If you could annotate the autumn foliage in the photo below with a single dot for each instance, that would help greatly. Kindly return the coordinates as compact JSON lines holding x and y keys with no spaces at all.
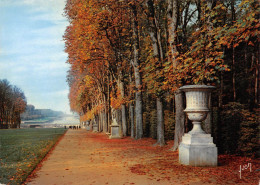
{"x":12,"y":105}
{"x":121,"y":51}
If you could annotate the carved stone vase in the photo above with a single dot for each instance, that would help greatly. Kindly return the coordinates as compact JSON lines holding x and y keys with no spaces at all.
{"x":197,"y":147}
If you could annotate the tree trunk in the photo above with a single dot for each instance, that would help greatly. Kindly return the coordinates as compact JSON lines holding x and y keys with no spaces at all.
{"x":160,"y":123}
{"x":198,"y":2}
{"x":131,"y":106}
{"x":105,"y":126}
{"x":220,"y":101}
{"x":124,"y":126}
{"x":96,"y":122}
{"x":172,"y":17}
{"x":109,"y":104}
{"x":233,"y":12}
{"x":139,"y":114}
{"x":138,"y":79}
{"x":132,"y":119}
{"x":233,"y":74}
{"x":208,"y":120}
{"x":123,"y":106}
{"x":179,"y":120}
{"x":157,"y":53}
{"x":100,"y":122}
{"x":256,"y":79}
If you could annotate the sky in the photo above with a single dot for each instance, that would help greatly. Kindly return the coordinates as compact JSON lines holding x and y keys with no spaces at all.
{"x":32,"y":53}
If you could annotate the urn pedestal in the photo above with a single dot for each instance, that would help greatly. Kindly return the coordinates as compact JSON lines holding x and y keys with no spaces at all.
{"x":114,"y":132}
{"x":114,"y":127}
{"x":88,"y":127}
{"x":197,"y":147}
{"x":95,"y":127}
{"x":83,"y":125}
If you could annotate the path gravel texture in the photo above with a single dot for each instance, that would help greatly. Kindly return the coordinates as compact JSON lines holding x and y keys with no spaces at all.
{"x":87,"y":158}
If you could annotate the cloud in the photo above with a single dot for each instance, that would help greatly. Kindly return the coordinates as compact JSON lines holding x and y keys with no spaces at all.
{"x":53,"y":100}
{"x":63,"y":92}
{"x":39,"y":5}
{"x":51,"y":10}
{"x":32,"y":50}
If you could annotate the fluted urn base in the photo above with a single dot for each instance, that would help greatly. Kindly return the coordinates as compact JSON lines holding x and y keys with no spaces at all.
{"x":114,"y":132}
{"x":198,"y":149}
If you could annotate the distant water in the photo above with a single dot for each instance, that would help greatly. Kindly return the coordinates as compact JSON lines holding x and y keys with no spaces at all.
{"x":62,"y":122}
{"x":69,"y":120}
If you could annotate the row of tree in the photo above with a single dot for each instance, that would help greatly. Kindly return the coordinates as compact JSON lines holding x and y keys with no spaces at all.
{"x":133,"y":56}
{"x":12,"y":104}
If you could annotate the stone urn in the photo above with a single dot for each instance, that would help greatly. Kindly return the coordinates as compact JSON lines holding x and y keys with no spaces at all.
{"x":197,"y":147}
{"x":197,"y":98}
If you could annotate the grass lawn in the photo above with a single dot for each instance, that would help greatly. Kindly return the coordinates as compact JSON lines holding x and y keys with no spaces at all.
{"x":22,"y":149}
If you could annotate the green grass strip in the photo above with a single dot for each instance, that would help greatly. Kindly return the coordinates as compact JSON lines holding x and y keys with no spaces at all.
{"x":22,"y":149}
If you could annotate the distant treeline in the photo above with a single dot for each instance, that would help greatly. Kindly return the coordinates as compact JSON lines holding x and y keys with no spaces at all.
{"x":32,"y":113}
{"x":12,"y":104}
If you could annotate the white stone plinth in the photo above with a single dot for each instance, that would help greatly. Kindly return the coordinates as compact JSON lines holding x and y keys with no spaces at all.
{"x":198,"y":150}
{"x":88,"y":127}
{"x":95,"y":127}
{"x":114,"y":132}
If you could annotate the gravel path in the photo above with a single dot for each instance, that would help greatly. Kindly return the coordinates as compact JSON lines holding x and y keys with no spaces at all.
{"x":87,"y":158}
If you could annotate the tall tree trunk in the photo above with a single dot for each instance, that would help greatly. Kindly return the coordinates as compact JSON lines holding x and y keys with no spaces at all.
{"x":233,"y":74}
{"x":198,"y":3}
{"x":131,"y":106}
{"x":172,"y":17}
{"x":233,"y":12}
{"x":105,"y":128}
{"x":160,"y":122}
{"x":208,"y":120}
{"x":132,"y":120}
{"x":138,"y":79}
{"x":256,"y":79}
{"x":106,"y":116}
{"x":157,"y":53}
{"x":124,"y":124}
{"x":179,"y":120}
{"x":109,"y":104}
{"x":220,"y":102}
{"x":123,"y":106}
{"x":19,"y":121}
{"x":100,"y":121}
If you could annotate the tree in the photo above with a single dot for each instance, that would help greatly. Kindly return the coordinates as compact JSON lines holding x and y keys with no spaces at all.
{"x":137,"y":74}
{"x":12,"y":104}
{"x":158,"y":59}
{"x":169,"y":44}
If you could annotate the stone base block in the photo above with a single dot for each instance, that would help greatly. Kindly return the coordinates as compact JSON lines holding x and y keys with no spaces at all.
{"x":88,"y":127}
{"x":198,"y":150}
{"x":114,"y":132}
{"x":95,"y":128}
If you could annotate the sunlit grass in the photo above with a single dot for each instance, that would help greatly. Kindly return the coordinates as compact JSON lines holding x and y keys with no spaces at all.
{"x":22,"y":149}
